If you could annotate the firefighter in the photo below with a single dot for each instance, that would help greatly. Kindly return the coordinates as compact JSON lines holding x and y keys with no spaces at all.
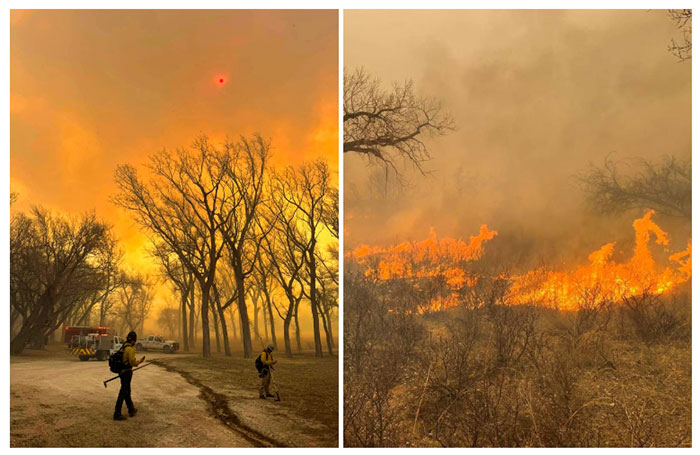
{"x":130,"y":361}
{"x":265,"y":374}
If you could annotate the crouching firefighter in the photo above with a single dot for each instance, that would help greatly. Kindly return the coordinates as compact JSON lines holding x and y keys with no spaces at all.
{"x":128,"y":358}
{"x":264,"y":364}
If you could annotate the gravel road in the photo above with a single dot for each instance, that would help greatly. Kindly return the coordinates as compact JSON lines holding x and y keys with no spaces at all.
{"x":59,"y":401}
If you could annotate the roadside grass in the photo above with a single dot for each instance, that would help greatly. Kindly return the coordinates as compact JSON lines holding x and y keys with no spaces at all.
{"x":308,"y":385}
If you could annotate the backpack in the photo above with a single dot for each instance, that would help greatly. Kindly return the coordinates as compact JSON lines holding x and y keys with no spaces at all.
{"x":258,"y":364}
{"x":116,"y":361}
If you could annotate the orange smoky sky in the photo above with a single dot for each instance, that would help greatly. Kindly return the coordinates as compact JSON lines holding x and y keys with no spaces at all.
{"x":94,"y":89}
{"x":536,"y":95}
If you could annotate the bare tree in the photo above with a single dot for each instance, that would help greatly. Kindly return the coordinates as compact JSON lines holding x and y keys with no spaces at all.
{"x":226,"y":286}
{"x":195,"y":311}
{"x":54,"y":268}
{"x":179,"y":207}
{"x":664,"y":186}
{"x":284,"y":257}
{"x":255,"y":296}
{"x":306,"y":191}
{"x":108,"y":267}
{"x":265,"y":282}
{"x":135,"y":301}
{"x":112,"y":259}
{"x":328,"y":284}
{"x":328,"y":281}
{"x":177,"y":273}
{"x":684,"y":22}
{"x":383,"y":125}
{"x":331,"y":219}
{"x":244,"y":165}
{"x":168,"y":318}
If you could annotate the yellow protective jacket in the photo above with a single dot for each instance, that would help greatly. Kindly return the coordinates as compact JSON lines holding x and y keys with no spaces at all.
{"x":266,"y":358}
{"x":129,"y":358}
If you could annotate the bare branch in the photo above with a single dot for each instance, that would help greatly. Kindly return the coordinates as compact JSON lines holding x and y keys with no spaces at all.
{"x":385,"y":125}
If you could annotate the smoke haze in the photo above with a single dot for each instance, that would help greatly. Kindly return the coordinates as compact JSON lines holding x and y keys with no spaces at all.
{"x":91,"y":89}
{"x":537,"y":96}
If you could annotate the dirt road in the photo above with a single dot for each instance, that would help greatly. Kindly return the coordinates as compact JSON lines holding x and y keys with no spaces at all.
{"x":57,"y":401}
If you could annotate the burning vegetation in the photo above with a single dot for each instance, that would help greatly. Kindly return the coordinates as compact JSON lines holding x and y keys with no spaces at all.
{"x":444,"y":349}
{"x":602,"y":279}
{"x":566,"y":321}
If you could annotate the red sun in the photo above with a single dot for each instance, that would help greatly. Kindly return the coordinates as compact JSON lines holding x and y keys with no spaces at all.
{"x":221,"y":81}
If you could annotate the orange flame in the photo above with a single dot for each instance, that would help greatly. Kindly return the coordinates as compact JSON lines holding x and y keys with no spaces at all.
{"x":601,"y":280}
{"x":604,"y":280}
{"x":425,"y":258}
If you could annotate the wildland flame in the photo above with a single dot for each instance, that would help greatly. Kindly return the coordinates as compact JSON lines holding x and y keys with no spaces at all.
{"x":601,"y":280}
{"x":429,"y":257}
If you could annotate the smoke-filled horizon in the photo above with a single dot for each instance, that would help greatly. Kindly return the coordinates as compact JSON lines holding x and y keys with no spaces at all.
{"x":94,"y":89}
{"x":537,"y":96}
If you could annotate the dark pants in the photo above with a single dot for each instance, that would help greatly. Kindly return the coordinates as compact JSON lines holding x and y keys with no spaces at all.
{"x":124,"y":393}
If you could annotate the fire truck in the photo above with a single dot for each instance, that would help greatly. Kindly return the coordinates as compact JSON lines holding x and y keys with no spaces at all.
{"x":95,"y":346}
{"x":72,"y":331}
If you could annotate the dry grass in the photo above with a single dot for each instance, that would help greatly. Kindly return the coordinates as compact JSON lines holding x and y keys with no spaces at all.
{"x":306,"y":415}
{"x":496,"y":375}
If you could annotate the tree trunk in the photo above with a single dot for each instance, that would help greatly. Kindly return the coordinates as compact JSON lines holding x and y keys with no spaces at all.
{"x":287,"y":341}
{"x":33,"y":324}
{"x":233,"y":322}
{"x":19,"y":342}
{"x":331,"y":340}
{"x":296,"y":324}
{"x":272,"y":321}
{"x":38,"y":340}
{"x":193,"y":325}
{"x":256,"y":310}
{"x":216,"y":329}
{"x":183,"y":323}
{"x":240,"y":327}
{"x":314,"y":301}
{"x":103,"y":311}
{"x":327,"y":330}
{"x":264,"y":313}
{"x":243,"y":313}
{"x":191,"y":328}
{"x":206,"y":349}
{"x":224,"y":330}
{"x":14,"y":317}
